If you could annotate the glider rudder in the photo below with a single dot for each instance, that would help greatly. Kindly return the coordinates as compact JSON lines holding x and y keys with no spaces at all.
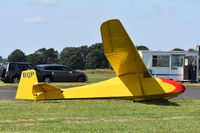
{"x":25,"y":87}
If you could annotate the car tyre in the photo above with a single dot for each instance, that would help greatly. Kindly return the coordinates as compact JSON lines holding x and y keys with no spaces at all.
{"x":6,"y":81}
{"x":47,"y":79}
{"x":15,"y":79}
{"x":81,"y":79}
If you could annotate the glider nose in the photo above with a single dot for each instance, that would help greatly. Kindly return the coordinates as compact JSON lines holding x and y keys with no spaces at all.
{"x":179,"y":88}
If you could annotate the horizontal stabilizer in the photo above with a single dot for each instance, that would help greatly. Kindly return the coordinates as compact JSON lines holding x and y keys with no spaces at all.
{"x":43,"y":91}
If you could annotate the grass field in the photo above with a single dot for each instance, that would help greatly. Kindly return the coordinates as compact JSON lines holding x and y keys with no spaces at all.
{"x":110,"y":115}
{"x":100,"y":116}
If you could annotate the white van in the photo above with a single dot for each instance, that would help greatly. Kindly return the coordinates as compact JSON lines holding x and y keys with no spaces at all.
{"x":170,"y":64}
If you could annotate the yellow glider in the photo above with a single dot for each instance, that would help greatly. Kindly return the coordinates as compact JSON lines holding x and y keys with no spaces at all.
{"x":133,"y":80}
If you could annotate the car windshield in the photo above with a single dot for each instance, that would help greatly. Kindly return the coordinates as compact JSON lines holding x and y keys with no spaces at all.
{"x":30,"y":66}
{"x":38,"y":67}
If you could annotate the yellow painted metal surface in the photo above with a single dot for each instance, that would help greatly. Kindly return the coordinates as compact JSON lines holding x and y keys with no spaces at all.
{"x":133,"y":80}
{"x":25,"y":87}
{"x":120,"y":50}
{"x":126,"y":86}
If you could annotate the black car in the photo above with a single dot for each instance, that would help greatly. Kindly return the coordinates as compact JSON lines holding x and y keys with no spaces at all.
{"x":10,"y":72}
{"x":62,"y":73}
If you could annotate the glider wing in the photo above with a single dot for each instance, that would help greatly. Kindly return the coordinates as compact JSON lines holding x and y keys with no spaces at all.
{"x":120,"y":50}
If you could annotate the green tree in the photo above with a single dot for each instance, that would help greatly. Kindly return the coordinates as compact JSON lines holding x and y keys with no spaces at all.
{"x":35,"y":59}
{"x":17,"y":56}
{"x":96,"y":58}
{"x":1,"y":59}
{"x":191,"y":50}
{"x":49,"y":56}
{"x":43,"y":56}
{"x":142,"y":47}
{"x":74,"y":57}
{"x":177,"y":49}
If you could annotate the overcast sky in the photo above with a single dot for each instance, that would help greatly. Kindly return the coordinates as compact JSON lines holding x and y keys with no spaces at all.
{"x":158,"y":24}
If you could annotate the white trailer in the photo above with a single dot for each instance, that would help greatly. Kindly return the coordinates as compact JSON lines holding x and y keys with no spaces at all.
{"x":170,"y":64}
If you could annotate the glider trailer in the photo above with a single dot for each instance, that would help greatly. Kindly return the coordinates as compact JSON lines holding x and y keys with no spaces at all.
{"x":174,"y":65}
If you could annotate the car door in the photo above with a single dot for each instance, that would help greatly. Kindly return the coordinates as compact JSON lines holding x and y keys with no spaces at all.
{"x":56,"y":73}
{"x":67,"y":73}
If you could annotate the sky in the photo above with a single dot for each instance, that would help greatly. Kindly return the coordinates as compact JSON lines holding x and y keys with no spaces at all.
{"x":158,"y":24}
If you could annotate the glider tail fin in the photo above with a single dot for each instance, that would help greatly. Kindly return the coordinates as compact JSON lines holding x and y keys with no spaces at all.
{"x":30,"y":89}
{"x":25,"y":87}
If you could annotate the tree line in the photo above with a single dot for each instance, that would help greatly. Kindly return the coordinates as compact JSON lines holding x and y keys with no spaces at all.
{"x":82,"y":57}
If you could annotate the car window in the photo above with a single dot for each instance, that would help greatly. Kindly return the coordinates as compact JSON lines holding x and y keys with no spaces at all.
{"x":57,"y":68}
{"x":22,"y":67}
{"x":30,"y":66}
{"x":52,"y":68}
{"x":60,"y":68}
{"x":47,"y":68}
{"x":5,"y":65}
{"x":12,"y":67}
{"x":63,"y":68}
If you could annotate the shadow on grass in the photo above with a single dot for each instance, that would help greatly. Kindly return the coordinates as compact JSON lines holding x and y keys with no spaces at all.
{"x":160,"y":103}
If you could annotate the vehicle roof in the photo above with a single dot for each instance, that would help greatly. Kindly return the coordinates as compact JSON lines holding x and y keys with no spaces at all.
{"x":163,"y":51}
{"x":45,"y":65}
{"x":17,"y":62}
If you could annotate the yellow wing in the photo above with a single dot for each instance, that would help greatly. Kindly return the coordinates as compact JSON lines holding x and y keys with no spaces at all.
{"x":120,"y":50}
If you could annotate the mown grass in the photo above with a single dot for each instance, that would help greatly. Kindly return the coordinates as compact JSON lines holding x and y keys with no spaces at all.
{"x":99,"y":116}
{"x":110,"y":115}
{"x":98,"y":71}
{"x":191,"y":84}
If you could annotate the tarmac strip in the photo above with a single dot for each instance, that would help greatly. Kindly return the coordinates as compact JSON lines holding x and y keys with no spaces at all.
{"x":190,"y":93}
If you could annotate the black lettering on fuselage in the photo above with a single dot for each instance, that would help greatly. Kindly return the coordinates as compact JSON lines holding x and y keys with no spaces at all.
{"x":27,"y":74}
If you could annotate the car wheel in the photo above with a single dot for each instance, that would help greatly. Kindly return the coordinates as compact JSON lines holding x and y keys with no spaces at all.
{"x":15,"y":79}
{"x":6,"y":81}
{"x":47,"y":79}
{"x":81,"y":79}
